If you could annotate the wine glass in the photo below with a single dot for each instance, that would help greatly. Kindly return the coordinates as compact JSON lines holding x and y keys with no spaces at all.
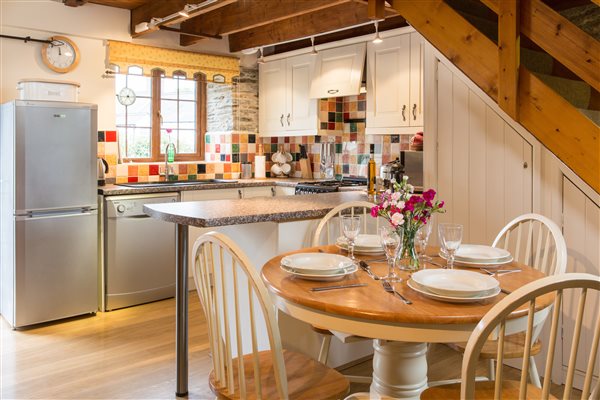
{"x":351,"y":228}
{"x":421,"y":239}
{"x":391,"y":241}
{"x":450,"y":238}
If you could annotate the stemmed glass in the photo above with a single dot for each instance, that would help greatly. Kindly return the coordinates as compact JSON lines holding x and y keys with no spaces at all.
{"x":421,"y":239}
{"x":450,"y":238}
{"x":351,"y":228}
{"x":391,"y":241}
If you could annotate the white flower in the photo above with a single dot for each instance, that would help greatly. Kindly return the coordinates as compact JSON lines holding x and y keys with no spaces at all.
{"x":405,"y":178}
{"x":400,"y":204}
{"x":398,"y":219}
{"x":385,"y":204}
{"x":411,"y":188}
{"x":396,"y":196}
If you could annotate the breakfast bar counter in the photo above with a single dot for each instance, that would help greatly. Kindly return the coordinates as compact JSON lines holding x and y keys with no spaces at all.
{"x":246,"y":211}
{"x":262,"y":226}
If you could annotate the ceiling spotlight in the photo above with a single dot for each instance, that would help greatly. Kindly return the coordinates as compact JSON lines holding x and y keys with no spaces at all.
{"x":141,"y":27}
{"x":185,"y":13}
{"x":377,"y":37}
{"x":261,"y":60}
{"x":314,"y":51}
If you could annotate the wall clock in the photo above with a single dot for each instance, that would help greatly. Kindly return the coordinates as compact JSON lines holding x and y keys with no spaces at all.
{"x":62,"y":55}
{"x":126,"y":96}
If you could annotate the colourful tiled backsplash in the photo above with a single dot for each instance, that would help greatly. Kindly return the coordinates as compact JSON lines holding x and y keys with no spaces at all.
{"x":342,"y":121}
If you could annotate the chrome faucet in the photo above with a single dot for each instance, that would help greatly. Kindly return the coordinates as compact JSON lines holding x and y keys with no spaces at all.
{"x":167,"y":165}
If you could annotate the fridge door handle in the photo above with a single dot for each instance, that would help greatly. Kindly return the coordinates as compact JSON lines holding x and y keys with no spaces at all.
{"x":46,"y":215}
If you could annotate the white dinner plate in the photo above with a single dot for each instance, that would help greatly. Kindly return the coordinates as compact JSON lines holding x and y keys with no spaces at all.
{"x":451,"y":299}
{"x":316,"y":263}
{"x":480,"y":253}
{"x":365,"y":244}
{"x":321,"y":277}
{"x":477,"y":264}
{"x":454,"y":282}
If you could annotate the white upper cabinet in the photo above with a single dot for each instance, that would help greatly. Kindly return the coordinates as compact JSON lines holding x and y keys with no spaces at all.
{"x":338,"y":71}
{"x":285,"y":108}
{"x":395,"y":85}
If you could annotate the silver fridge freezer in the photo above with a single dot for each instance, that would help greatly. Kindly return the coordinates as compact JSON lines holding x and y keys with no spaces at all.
{"x":48,"y":211}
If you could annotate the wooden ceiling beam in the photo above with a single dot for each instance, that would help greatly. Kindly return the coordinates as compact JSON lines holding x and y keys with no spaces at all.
{"x":245,"y":15}
{"x":161,"y":9}
{"x":508,"y":54}
{"x":314,"y":23}
{"x":376,"y":9}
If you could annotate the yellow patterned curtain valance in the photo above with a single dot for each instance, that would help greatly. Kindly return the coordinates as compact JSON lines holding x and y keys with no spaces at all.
{"x":148,"y":58}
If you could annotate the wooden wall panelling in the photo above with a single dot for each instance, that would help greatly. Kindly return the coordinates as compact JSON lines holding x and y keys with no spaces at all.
{"x":456,"y":38}
{"x":460,"y":156}
{"x":445,"y":148}
{"x":477,"y":182}
{"x":563,"y":40}
{"x":494,"y":162}
{"x":566,"y":132}
{"x":508,"y":54}
{"x":582,"y":234}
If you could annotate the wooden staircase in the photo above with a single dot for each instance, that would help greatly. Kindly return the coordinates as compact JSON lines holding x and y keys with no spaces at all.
{"x":495,"y":67}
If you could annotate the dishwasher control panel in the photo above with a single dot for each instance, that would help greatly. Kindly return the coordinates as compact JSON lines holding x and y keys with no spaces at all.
{"x":133,"y":206}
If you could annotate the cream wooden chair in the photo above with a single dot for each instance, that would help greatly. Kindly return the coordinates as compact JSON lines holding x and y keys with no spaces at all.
{"x":235,"y":302}
{"x":537,"y":241}
{"x":495,"y":322}
{"x":326,"y":232}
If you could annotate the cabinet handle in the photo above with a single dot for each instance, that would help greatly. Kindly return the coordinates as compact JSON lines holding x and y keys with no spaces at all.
{"x":525,"y":165}
{"x":414,"y":111}
{"x":332,"y":91}
{"x":288,"y":119}
{"x":240,"y":193}
{"x":272,"y":192}
{"x":281,"y":120}
{"x":404,"y":112}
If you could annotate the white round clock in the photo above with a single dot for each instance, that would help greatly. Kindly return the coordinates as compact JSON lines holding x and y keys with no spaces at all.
{"x":62,"y":55}
{"x":126,"y":96}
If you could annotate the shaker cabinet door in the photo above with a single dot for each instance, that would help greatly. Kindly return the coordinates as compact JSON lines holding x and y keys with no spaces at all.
{"x":338,"y":71}
{"x":301,"y":110}
{"x":272,"y":98}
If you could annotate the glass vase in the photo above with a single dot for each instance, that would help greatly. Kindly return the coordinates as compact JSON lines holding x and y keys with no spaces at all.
{"x":409,"y":260}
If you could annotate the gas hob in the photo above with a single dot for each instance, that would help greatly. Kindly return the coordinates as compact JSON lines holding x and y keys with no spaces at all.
{"x":329,"y":186}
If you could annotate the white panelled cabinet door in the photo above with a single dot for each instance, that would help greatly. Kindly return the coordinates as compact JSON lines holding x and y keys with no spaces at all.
{"x":338,"y":71}
{"x":388,"y":66}
{"x":416,"y":79}
{"x":301,"y":110}
{"x":272,"y":97}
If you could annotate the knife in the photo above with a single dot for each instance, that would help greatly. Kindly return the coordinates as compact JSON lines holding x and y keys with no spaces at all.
{"x":365,"y":267}
{"x":324,"y":288}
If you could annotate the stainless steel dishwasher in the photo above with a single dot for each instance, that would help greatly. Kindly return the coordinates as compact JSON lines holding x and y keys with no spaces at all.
{"x":139,"y":252}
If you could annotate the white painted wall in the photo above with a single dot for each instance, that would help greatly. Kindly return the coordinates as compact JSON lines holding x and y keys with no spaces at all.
{"x":89,"y":26}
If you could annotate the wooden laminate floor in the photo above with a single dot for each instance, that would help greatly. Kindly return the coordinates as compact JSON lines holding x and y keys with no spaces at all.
{"x":126,"y":354}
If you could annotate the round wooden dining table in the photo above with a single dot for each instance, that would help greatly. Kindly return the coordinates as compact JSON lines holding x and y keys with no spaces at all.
{"x":400,"y":332}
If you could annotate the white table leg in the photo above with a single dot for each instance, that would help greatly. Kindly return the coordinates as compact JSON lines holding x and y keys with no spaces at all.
{"x":399,"y":369}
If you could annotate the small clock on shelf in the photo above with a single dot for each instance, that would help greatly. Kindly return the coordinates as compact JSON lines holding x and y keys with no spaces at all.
{"x":61,"y":55}
{"x":126,"y":96}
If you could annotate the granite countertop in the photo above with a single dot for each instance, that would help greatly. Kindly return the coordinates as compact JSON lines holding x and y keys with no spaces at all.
{"x":246,"y":211}
{"x":116,"y":190}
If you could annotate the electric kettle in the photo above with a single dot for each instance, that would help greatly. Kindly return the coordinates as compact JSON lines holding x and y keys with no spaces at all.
{"x":102,"y":170}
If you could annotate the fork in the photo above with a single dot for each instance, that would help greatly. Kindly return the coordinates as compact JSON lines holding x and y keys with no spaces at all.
{"x":365,"y":267}
{"x":388,"y":288}
{"x":500,"y":272}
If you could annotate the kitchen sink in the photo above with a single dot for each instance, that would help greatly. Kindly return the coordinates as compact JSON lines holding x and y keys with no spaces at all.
{"x":175,"y":183}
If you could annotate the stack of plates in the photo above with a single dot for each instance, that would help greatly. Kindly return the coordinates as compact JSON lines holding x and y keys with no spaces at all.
{"x":318,"y":266}
{"x":364,"y":244}
{"x":475,"y":255}
{"x":455,"y":286}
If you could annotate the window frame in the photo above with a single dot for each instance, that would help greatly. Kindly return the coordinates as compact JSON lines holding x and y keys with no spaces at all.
{"x":155,"y":154}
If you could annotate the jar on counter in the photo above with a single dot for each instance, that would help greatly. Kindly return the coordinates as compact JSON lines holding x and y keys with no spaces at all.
{"x":246,"y":170}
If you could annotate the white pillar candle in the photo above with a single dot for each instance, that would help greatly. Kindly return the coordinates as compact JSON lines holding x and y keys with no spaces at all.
{"x":259,"y":167}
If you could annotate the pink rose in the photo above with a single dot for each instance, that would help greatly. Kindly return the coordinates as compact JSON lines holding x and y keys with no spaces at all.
{"x":397,"y":219}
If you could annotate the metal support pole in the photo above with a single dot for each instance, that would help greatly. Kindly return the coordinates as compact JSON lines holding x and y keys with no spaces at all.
{"x":181,"y":309}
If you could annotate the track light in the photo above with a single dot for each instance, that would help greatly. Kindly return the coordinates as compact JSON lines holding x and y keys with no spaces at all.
{"x":314,"y":51}
{"x":185,"y":13}
{"x":377,"y":39}
{"x":261,"y":60}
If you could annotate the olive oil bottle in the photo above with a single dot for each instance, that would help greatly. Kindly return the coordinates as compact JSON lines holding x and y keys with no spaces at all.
{"x":372,"y":177}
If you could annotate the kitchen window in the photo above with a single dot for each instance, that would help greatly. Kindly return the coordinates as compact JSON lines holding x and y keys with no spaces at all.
{"x":166,"y":109}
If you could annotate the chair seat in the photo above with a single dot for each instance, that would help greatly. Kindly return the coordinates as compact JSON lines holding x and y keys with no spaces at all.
{"x":307,"y":379}
{"x":483,"y":390}
{"x":514,"y":346}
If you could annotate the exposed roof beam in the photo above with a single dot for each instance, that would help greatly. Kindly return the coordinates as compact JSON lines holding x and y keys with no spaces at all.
{"x":390,"y":23}
{"x":161,"y":9}
{"x":337,"y":17}
{"x":251,"y":14}
{"x":196,"y":35}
